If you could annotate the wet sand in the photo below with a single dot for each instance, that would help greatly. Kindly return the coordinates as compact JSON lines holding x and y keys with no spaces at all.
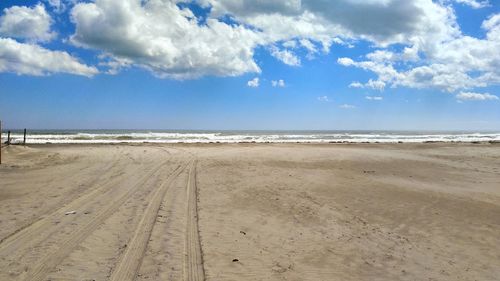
{"x":250,"y":212}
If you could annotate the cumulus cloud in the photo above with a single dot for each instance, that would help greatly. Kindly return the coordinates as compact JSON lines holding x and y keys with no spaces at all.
{"x":254,"y":83}
{"x":324,"y":99}
{"x":165,"y":39}
{"x":31,"y":59}
{"x":457,"y":63}
{"x":32,"y":25}
{"x":278,"y":83}
{"x":169,"y":41}
{"x":471,"y":96}
{"x":345,"y":61}
{"x":381,"y":21}
{"x":27,"y":23}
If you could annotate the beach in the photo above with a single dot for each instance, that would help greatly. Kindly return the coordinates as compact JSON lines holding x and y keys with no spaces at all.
{"x":250,"y":211}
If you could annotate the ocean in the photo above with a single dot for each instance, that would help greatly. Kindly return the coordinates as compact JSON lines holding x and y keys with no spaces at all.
{"x":206,"y":136}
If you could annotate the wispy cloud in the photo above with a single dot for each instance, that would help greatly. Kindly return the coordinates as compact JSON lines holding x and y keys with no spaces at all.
{"x":278,"y":83}
{"x":254,"y":83}
{"x":471,"y":96}
{"x":373,"y":98}
{"x":347,"y":106}
{"x":475,"y":4}
{"x":371,"y":84}
{"x":324,"y":99}
{"x":286,"y":56}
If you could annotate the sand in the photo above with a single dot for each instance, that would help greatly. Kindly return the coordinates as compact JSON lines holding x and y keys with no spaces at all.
{"x":250,"y":212}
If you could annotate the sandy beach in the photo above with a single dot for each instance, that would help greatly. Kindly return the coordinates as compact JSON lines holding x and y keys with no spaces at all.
{"x":250,"y":212}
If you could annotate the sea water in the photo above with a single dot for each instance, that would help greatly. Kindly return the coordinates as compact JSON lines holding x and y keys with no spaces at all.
{"x":227,"y":136}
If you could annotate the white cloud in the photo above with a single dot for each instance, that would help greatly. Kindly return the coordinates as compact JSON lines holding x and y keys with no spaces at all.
{"x":371,"y":84}
{"x":474,"y":3}
{"x":31,"y":59}
{"x":356,"y":84}
{"x":27,"y":23}
{"x":56,"y":4}
{"x":324,"y":99}
{"x":309,"y":46}
{"x":327,"y":22}
{"x":290,"y":44}
{"x":458,"y":63}
{"x":347,"y":106}
{"x":286,"y":56}
{"x":60,"y":6}
{"x":34,"y":25}
{"x":374,"y":98}
{"x":164,"y":39}
{"x":254,"y":83}
{"x":380,"y":21}
{"x":278,"y":83}
{"x":169,"y":41}
{"x":345,"y":61}
{"x":471,"y":96}
{"x":375,"y":85}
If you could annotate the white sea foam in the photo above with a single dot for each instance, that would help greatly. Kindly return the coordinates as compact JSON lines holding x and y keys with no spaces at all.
{"x":42,"y":137}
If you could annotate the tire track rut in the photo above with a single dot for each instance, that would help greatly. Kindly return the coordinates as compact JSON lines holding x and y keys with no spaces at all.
{"x":24,"y":246}
{"x":130,"y":263}
{"x":193,"y":258}
{"x":49,"y":261}
{"x":105,"y":172}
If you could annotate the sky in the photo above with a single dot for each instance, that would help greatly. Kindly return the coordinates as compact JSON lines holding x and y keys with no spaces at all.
{"x":249,"y":65}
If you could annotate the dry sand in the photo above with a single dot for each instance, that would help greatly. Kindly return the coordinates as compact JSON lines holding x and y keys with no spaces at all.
{"x":250,"y":212}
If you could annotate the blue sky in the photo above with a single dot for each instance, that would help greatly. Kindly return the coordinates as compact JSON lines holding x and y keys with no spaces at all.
{"x":93,"y":65}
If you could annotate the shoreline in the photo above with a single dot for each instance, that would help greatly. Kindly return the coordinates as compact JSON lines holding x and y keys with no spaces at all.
{"x":170,"y":137}
{"x":249,"y":142}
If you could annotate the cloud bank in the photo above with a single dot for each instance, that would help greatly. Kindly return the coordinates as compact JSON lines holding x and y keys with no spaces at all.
{"x":32,"y":59}
{"x":414,"y":44}
{"x":471,"y":96}
{"x":165,"y":39}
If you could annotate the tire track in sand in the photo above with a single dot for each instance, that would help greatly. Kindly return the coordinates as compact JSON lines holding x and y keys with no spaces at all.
{"x":132,"y":258}
{"x":52,"y":259}
{"x":193,"y":256}
{"x":94,"y":187}
{"x":103,"y":183}
{"x":34,"y":232}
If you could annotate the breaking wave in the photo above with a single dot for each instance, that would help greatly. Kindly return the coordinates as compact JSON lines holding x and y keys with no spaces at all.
{"x":114,"y":136}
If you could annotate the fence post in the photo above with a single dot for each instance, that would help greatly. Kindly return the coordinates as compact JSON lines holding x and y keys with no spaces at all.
{"x":0,"y":142}
{"x":24,"y":140}
{"x":8,"y":138}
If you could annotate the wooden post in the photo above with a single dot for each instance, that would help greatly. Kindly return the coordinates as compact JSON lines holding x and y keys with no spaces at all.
{"x":24,"y":140}
{"x":0,"y":142}
{"x":8,"y":138}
